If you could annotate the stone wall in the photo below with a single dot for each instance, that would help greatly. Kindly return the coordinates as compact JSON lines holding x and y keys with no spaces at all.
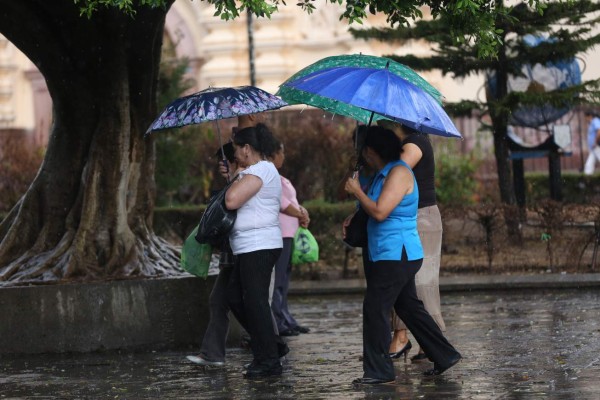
{"x":82,"y":317}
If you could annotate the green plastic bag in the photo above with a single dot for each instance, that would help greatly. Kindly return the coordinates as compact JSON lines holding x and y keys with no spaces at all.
{"x":195,"y":257}
{"x":306,"y":248}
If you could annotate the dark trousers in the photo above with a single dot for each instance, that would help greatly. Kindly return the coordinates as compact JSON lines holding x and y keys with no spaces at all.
{"x":283,"y":271}
{"x":392,"y":284}
{"x":215,"y":337}
{"x":249,"y":301}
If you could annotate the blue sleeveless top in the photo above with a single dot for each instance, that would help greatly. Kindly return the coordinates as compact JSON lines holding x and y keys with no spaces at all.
{"x":399,"y":229}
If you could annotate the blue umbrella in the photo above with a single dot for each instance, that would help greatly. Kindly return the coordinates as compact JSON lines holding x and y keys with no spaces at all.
{"x":378,"y":91}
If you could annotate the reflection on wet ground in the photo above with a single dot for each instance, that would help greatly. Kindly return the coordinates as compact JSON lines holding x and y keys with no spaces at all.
{"x":517,"y":345}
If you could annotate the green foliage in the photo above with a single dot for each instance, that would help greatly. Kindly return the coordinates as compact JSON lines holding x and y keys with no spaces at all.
{"x":470,"y":21}
{"x":576,"y":188}
{"x":89,"y":7}
{"x":455,"y":181}
{"x":455,"y":53}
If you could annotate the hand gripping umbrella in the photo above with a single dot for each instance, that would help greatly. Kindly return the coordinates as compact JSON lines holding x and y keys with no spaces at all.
{"x":381,"y":93}
{"x":213,"y":104}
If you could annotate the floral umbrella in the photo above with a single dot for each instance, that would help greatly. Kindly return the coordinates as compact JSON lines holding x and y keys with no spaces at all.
{"x":213,"y":104}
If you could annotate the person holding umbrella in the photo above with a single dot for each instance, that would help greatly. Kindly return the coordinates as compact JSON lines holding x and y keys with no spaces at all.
{"x":395,"y":256}
{"x":417,"y":152}
{"x":256,"y":243}
{"x":213,"y":347}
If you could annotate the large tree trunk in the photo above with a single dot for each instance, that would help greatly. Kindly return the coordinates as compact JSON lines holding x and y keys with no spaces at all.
{"x":88,"y":213}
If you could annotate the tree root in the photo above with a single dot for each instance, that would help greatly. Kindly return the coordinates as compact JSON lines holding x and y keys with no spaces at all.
{"x":150,"y":258}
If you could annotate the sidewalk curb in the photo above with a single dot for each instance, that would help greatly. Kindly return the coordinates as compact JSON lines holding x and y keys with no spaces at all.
{"x":458,"y":283}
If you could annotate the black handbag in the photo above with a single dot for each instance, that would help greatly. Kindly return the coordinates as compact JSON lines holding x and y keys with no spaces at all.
{"x":217,"y":221}
{"x":356,"y":231}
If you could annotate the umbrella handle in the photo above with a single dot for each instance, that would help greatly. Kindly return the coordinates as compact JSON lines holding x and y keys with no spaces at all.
{"x":224,"y":159}
{"x":356,"y":169}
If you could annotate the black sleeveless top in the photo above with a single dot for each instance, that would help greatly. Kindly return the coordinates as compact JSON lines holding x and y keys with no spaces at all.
{"x":424,"y":170}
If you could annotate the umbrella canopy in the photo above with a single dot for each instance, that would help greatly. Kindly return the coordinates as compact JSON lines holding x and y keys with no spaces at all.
{"x":378,"y":91}
{"x":213,"y":104}
{"x":293,"y":96}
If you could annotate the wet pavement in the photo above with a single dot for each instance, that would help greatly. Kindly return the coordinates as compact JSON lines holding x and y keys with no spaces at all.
{"x":528,"y":344}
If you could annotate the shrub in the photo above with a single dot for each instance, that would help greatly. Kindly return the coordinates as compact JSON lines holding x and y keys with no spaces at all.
{"x":19,"y":163}
{"x":318,"y":152}
{"x":455,"y":181}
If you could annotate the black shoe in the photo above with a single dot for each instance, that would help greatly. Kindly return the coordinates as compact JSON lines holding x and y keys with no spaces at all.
{"x":263,"y":371}
{"x":282,"y":349}
{"x":403,"y":350}
{"x":419,"y":357}
{"x":438,"y":370}
{"x":288,"y":332}
{"x":301,"y":329}
{"x":371,"y":381}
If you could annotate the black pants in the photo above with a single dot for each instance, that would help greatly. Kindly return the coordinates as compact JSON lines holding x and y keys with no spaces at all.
{"x":392,"y":284}
{"x":249,"y":301}
{"x":215,"y":337}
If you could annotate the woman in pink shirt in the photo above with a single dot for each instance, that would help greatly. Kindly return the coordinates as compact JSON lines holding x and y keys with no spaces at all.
{"x":291,"y":216}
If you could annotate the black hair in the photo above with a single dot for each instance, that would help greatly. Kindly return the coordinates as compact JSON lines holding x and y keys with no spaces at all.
{"x":228,"y":150}
{"x":276,"y":147}
{"x":590,"y":113}
{"x":358,"y":135}
{"x":411,"y":131}
{"x":384,"y":142}
{"x":259,"y":137}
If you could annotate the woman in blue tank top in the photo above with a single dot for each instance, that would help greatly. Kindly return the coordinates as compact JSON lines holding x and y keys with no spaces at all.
{"x":395,"y":255}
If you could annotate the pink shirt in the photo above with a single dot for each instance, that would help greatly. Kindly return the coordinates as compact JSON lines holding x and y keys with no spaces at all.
{"x":289,"y":225}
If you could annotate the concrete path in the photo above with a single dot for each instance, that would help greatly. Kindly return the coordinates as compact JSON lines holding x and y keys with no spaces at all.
{"x":519,"y":344}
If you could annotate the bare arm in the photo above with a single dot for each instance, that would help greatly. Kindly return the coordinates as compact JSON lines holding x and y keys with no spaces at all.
{"x":398,"y":183}
{"x":300,"y":213}
{"x":241,"y":191}
{"x":411,"y":154}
